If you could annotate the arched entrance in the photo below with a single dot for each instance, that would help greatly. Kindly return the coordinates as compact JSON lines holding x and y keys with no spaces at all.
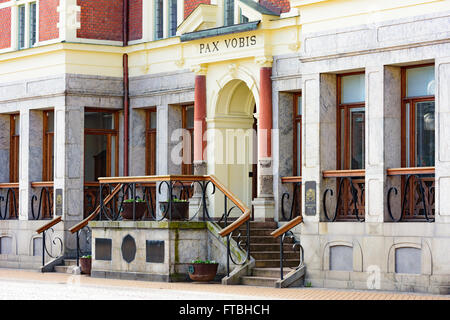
{"x":235,"y":141}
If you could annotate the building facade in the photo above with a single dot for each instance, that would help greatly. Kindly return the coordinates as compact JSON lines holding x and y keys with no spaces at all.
{"x":333,"y":110}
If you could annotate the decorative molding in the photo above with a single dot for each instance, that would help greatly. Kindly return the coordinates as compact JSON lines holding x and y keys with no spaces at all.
{"x":264,"y":61}
{"x":200,"y":69}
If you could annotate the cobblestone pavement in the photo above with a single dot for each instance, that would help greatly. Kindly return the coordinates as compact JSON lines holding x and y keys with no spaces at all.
{"x":21,"y":284}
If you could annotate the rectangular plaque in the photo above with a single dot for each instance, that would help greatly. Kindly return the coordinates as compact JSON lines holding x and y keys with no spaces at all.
{"x":310,"y":198}
{"x":58,"y":202}
{"x":155,"y":251}
{"x":103,"y":248}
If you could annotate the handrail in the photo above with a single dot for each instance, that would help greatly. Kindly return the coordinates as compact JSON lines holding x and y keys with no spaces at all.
{"x":50,"y":224}
{"x":343,"y":173}
{"x":288,"y":226}
{"x":13,"y":185}
{"x":85,"y":222}
{"x":291,"y":179}
{"x":410,"y":171}
{"x":42,"y":184}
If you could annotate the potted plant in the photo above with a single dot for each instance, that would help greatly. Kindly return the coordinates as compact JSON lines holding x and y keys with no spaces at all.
{"x":127,"y":209}
{"x":86,"y":264}
{"x":202,"y":270}
{"x":180,"y":209}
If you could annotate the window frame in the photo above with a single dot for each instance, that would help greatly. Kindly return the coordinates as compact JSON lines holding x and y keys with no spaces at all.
{"x":150,"y":143}
{"x":14,"y":151}
{"x":48,"y":148}
{"x":187,"y":168}
{"x":110,"y":135}
{"x":297,"y":119}
{"x":344,"y":164}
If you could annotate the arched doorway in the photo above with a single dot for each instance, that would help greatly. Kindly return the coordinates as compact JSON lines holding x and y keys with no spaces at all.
{"x":235,"y":141}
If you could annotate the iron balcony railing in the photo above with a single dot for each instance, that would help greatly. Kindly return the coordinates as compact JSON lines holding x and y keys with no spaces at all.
{"x":9,"y":201}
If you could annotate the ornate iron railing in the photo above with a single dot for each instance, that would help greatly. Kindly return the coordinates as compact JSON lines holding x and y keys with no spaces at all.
{"x":296,"y":202}
{"x":285,"y":232}
{"x":52,"y":244}
{"x":350,"y":199}
{"x":417,"y":195}
{"x":139,"y":194}
{"x":45,"y":204}
{"x":9,"y":199}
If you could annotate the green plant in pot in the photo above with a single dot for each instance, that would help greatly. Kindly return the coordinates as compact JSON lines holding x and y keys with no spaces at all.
{"x":203,"y":270}
{"x":86,"y":264}
{"x":180,"y":209}
{"x":127,"y":209}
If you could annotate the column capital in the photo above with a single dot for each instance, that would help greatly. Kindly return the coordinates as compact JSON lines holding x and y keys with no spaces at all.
{"x":264,"y":61}
{"x":200,"y":69}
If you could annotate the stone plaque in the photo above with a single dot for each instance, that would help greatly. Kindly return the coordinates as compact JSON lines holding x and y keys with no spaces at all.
{"x":103,"y":248}
{"x":58,"y":202}
{"x":155,"y":251}
{"x":310,"y":198}
{"x":128,"y":248}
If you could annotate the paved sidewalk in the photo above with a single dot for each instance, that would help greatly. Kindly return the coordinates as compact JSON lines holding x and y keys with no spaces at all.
{"x":24,"y":284}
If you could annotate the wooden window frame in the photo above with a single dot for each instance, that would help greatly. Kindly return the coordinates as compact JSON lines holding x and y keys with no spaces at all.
{"x":48,"y":149}
{"x":187,"y":168}
{"x":412,"y":101}
{"x":110,"y":135}
{"x":297,"y":119}
{"x":346,"y":107}
{"x":150,"y":144}
{"x":14,"y":151}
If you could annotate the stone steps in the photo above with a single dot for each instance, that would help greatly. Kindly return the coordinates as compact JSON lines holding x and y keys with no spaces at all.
{"x":67,"y":266}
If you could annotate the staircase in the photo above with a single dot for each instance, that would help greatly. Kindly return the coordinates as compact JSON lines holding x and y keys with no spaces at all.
{"x":265,"y":249}
{"x":67,"y":264}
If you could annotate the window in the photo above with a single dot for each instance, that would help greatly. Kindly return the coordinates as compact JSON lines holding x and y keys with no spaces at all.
{"x":242,"y":18}
{"x":21,"y":20}
{"x":351,"y":121}
{"x":297,"y":168}
{"x":14,"y":148}
{"x":49,"y":124}
{"x":32,"y":23}
{"x":150,"y":142}
{"x":101,"y":152}
{"x":188,"y":140}
{"x":159,"y":19}
{"x":172,"y":18}
{"x":228,"y":12}
{"x":418,"y":126}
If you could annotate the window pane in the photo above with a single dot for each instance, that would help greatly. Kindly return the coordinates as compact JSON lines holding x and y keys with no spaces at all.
{"x":425,"y":134}
{"x":420,"y":82}
{"x":32,"y":23}
{"x":94,"y":157}
{"x":21,"y":27}
{"x":99,"y":120}
{"x":172,"y":17}
{"x":299,"y":149}
{"x":153,"y":116}
{"x":353,"y":88}
{"x":299,"y":105}
{"x":357,"y":138}
{"x":229,"y":12}
{"x":113,"y":156}
{"x":189,"y":117}
{"x":159,"y":34}
{"x":50,"y":121}
{"x":342,"y":139}
{"x":408,"y":134}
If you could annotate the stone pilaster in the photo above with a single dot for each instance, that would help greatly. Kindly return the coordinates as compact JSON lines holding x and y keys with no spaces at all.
{"x":137,"y":142}
{"x":69,"y":171}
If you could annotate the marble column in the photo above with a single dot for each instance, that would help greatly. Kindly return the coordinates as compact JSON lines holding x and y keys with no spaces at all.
{"x":31,"y":158}
{"x":200,"y":113}
{"x":264,"y":204}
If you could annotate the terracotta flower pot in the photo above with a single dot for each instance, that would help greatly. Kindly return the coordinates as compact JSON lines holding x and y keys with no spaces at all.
{"x":180,"y":210}
{"x":203,"y":271}
{"x":127,"y":212}
{"x":85,"y":265}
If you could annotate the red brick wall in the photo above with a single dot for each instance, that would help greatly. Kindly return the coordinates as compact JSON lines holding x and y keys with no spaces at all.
{"x":135,"y":20}
{"x":101,"y":19}
{"x":48,"y":20}
{"x":190,"y":5}
{"x":5,"y":27}
{"x":276,"y":5}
